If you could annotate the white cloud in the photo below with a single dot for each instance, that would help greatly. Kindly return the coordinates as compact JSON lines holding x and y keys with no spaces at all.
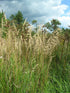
{"x":65,"y":20}
{"x":68,"y":13}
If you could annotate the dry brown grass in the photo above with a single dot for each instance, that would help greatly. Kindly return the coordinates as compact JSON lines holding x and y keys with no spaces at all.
{"x":37,"y":43}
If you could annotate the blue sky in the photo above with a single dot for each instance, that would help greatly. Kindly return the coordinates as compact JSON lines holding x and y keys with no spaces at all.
{"x":41,"y":10}
{"x":67,"y":2}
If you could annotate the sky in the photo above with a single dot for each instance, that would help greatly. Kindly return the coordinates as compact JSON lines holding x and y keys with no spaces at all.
{"x":41,"y":10}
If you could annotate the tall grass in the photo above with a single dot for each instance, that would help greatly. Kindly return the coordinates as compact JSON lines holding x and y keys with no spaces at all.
{"x":33,"y":64}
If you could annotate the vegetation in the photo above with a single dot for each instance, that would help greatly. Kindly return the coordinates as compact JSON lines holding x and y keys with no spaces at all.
{"x":34,"y":63}
{"x":18,"y":17}
{"x":53,"y":25}
{"x":2,"y":18}
{"x":35,"y":22}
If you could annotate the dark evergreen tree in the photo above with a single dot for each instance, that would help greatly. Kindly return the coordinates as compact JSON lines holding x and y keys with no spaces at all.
{"x":2,"y":16}
{"x":18,"y":17}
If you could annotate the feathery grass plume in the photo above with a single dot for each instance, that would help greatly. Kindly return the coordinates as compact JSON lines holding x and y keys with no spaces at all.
{"x":52,"y":42}
{"x":25,"y":64}
{"x":5,"y":18}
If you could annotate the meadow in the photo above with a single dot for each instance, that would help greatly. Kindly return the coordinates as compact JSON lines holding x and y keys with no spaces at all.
{"x":34,"y":62}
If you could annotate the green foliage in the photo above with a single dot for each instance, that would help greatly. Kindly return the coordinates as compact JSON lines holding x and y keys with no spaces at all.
{"x":34,"y":21}
{"x":53,"y":25}
{"x":1,"y":16}
{"x":18,"y":17}
{"x":23,"y":71}
{"x":33,"y":33}
{"x":12,"y":17}
{"x":66,"y":33}
{"x":30,"y":75}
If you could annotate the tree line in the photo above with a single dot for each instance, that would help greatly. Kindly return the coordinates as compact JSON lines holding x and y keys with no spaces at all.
{"x":18,"y":19}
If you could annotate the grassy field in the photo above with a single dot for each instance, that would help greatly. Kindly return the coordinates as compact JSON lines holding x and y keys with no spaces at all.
{"x":38,"y":63}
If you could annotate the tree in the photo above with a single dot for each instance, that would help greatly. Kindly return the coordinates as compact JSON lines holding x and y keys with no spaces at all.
{"x":18,"y":18}
{"x":66,"y":33}
{"x":35,"y":22}
{"x":12,"y":17}
{"x":53,"y":25}
{"x":2,"y":16}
